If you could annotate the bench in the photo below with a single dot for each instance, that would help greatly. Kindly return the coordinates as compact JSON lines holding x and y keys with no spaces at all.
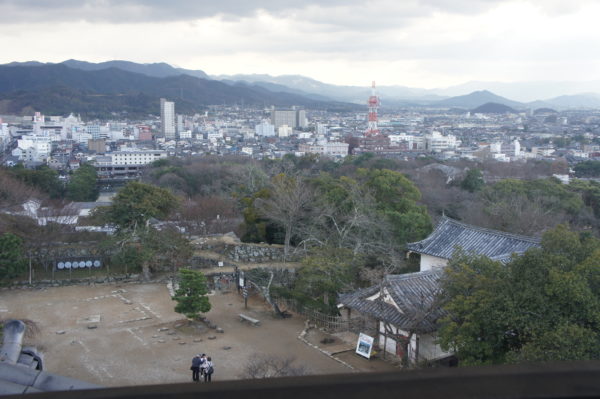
{"x":243,"y":317}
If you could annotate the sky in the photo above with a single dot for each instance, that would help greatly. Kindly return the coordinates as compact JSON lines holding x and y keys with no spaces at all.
{"x":415,"y":43}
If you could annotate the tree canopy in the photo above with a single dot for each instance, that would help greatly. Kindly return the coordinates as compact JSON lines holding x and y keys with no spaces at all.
{"x":137,"y":202}
{"x":541,"y":306}
{"x":82,"y":186}
{"x":587,"y":169}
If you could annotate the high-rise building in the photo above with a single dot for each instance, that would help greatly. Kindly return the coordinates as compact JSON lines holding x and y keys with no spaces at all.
{"x":167,"y":118}
{"x":180,"y":127}
{"x":294,"y":118}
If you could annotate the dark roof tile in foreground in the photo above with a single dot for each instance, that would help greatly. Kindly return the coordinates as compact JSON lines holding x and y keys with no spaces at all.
{"x":451,"y":234}
{"x":415,"y":294}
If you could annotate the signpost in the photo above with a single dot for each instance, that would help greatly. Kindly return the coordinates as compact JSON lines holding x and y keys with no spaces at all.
{"x":364,"y":345}
{"x":245,"y":295}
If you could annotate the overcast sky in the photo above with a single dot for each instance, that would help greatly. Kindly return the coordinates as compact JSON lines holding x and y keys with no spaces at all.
{"x":417,"y":43}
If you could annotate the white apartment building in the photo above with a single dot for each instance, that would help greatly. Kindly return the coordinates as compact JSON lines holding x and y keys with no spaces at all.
{"x":265,"y":129}
{"x":83,"y":138}
{"x":185,"y":134}
{"x":120,"y":158}
{"x":214,"y":135}
{"x":412,"y":142}
{"x":334,"y":149}
{"x":305,"y":135}
{"x":33,"y":148}
{"x":284,"y":131}
{"x":321,"y":129}
{"x":167,"y":118}
{"x":436,"y":142}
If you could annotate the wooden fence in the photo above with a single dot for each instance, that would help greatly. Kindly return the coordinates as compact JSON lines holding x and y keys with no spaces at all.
{"x":324,"y":321}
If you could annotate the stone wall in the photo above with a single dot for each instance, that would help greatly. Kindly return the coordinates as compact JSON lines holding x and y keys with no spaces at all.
{"x":253,"y":253}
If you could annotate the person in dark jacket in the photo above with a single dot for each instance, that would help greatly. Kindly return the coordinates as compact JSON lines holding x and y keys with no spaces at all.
{"x":196,"y":363}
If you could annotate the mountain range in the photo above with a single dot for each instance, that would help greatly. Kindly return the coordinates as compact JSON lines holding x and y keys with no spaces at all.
{"x":98,"y":89}
{"x":101,"y":91}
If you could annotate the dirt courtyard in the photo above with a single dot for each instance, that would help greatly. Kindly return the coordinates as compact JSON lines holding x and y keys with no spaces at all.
{"x":116,"y":335}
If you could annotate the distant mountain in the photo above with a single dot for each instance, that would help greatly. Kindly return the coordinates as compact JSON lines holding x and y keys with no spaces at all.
{"x":25,"y":87}
{"x":561,"y":94}
{"x":401,"y":96}
{"x":587,"y":100}
{"x":278,"y":88}
{"x":493,"y":108}
{"x":390,"y":95}
{"x":476,"y":99}
{"x":524,"y":91}
{"x":157,"y":70}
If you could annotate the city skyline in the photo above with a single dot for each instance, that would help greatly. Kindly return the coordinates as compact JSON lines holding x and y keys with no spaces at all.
{"x":420,"y":43}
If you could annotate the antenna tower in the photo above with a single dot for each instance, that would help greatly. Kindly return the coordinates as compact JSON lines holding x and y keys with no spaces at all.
{"x":373,"y":103}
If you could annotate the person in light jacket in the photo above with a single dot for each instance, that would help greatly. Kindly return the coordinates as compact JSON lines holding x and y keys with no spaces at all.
{"x":209,"y":369}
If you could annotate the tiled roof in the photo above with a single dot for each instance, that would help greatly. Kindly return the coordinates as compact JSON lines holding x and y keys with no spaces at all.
{"x":451,"y":234}
{"x":414,"y":294}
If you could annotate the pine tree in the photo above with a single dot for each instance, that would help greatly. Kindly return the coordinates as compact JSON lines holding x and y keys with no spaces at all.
{"x":191,"y":296}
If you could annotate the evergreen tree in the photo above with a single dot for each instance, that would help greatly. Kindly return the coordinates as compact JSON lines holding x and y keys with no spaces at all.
{"x":191,"y":295}
{"x":12,"y":262}
{"x":82,"y":186}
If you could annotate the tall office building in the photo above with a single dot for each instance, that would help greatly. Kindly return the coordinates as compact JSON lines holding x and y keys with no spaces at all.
{"x":167,"y":118}
{"x":293,"y":118}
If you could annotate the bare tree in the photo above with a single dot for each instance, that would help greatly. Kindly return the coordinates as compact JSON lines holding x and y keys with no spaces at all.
{"x":262,"y":280}
{"x":271,"y":366}
{"x":521,"y":215}
{"x":210,"y":214}
{"x":289,"y":201}
{"x":14,"y":192}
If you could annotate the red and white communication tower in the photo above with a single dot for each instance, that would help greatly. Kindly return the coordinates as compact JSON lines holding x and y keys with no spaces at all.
{"x":372,"y":129}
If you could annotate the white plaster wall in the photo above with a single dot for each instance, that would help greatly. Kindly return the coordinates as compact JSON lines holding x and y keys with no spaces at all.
{"x":428,"y":347}
{"x":429,"y":262}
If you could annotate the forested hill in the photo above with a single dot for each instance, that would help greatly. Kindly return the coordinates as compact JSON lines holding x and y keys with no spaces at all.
{"x":58,"y":89}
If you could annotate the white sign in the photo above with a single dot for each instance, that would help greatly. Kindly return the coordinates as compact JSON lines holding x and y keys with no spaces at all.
{"x":364,"y":345}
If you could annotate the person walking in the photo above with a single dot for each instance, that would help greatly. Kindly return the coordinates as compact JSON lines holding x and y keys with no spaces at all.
{"x":209,"y":369}
{"x":196,"y":363}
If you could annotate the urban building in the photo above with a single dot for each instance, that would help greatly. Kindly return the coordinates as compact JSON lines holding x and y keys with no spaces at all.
{"x":265,"y":129}
{"x":436,"y":142}
{"x":167,"y":118}
{"x":97,"y":145}
{"x":295,"y":118}
{"x":136,"y":157}
{"x":33,"y":148}
{"x":334,"y":149}
{"x":284,"y":131}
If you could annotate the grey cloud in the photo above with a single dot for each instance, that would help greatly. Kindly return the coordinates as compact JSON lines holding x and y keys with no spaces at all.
{"x":123,"y":11}
{"x":128,"y":11}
